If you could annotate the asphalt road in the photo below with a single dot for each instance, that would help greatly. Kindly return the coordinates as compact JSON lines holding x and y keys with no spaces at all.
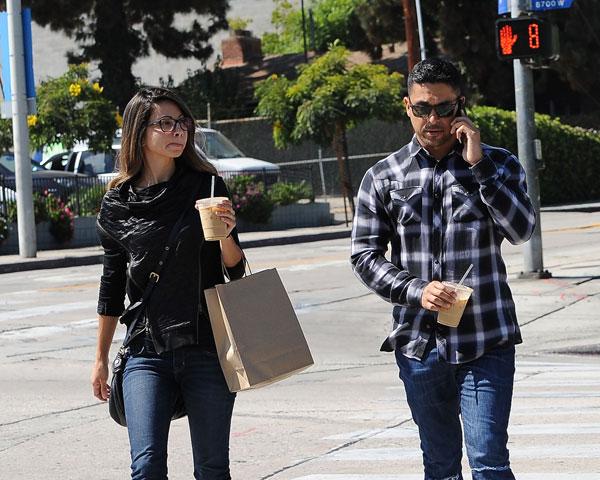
{"x":346,"y":417}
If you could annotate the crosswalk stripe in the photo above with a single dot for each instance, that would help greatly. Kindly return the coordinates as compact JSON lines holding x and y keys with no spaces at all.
{"x":397,"y":453}
{"x":54,"y":309}
{"x":513,"y":430}
{"x":522,"y":476}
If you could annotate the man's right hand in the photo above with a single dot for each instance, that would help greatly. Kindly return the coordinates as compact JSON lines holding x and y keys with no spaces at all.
{"x":437,"y":296}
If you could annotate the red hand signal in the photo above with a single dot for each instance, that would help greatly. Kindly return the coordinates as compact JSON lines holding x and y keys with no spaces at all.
{"x":507,"y":40}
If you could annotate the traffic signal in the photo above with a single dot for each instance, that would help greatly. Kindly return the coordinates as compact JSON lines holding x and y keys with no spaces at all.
{"x":526,"y":37}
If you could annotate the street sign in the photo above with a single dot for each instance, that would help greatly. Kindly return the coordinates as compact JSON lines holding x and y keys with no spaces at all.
{"x":543,"y":5}
{"x":526,"y":37}
{"x":503,"y":7}
{"x":5,"y":87}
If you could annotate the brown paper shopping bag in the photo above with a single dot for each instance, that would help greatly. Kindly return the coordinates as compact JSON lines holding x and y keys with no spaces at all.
{"x":258,"y":337}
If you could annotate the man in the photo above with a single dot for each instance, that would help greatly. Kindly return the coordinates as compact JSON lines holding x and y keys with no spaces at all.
{"x":446,"y":201}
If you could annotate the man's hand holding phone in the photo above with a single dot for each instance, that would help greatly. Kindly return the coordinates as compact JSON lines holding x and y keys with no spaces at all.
{"x":468,"y":135}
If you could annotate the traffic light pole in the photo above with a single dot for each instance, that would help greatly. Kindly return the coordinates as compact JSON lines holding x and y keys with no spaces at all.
{"x":23,"y":180}
{"x":524,"y":102}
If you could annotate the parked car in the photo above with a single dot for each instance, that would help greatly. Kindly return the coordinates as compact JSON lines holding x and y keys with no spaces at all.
{"x":58,"y":161}
{"x":220,"y":151}
{"x":7,"y":164}
{"x":85,"y":161}
{"x":229,"y":160}
{"x":59,"y":183}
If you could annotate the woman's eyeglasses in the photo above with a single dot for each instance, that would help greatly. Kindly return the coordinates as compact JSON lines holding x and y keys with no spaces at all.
{"x":169,"y":124}
{"x":442,"y":110}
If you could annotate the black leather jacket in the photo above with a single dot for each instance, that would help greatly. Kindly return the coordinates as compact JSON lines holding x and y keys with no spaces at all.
{"x":134,"y":227}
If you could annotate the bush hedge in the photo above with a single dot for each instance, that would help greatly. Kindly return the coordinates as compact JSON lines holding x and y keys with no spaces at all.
{"x":570,"y":154}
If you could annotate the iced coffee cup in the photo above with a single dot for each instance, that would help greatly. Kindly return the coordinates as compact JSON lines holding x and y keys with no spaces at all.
{"x":451,"y":316}
{"x":213,"y":227}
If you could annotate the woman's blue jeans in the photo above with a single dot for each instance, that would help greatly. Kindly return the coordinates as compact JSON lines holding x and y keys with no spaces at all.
{"x":480,"y":392}
{"x":151,"y":384}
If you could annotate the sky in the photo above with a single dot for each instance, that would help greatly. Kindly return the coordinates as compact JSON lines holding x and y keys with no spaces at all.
{"x":49,"y":48}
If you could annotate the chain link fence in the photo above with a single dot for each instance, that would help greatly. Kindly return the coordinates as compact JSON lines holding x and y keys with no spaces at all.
{"x":82,"y":195}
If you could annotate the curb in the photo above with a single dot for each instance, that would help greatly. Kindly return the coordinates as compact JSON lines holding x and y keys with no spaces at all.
{"x":94,"y":259}
{"x":51,"y":263}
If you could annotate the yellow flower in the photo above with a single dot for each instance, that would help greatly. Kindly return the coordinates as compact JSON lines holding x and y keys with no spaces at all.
{"x":119,"y":119}
{"x":31,"y":120}
{"x":74,"y":89}
{"x":96,"y":86}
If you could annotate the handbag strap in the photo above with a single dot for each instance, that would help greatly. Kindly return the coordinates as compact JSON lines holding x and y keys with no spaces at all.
{"x":154,"y":276}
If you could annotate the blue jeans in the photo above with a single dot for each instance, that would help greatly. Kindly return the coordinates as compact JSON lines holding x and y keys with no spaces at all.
{"x":151,"y":384}
{"x":480,"y":392}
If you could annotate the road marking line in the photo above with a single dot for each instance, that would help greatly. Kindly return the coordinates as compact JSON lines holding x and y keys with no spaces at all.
{"x":57,"y":308}
{"x":526,"y":452}
{"x":513,"y":430}
{"x":573,"y":229}
{"x":46,"y":330}
{"x":522,"y":476}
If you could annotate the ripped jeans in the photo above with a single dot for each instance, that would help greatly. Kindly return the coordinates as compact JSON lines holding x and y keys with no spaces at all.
{"x":480,"y":392}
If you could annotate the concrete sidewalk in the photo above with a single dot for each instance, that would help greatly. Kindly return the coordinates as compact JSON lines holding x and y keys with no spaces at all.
{"x":93,"y":255}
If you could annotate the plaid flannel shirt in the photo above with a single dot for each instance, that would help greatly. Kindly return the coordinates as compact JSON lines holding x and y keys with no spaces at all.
{"x":439,"y":218}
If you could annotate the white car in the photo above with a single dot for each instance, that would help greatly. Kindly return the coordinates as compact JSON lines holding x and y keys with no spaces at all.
{"x":228,"y":159}
{"x":220,"y":151}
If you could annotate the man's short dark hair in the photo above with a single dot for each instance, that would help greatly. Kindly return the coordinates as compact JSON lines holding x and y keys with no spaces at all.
{"x":435,"y":70}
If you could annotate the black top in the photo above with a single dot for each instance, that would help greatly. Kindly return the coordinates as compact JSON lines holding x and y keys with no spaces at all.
{"x":133,"y":225}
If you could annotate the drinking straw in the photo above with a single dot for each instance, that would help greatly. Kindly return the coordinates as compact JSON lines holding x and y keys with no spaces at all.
{"x":212,"y":187}
{"x":465,"y":275}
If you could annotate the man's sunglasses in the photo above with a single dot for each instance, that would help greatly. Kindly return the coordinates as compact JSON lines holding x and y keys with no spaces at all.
{"x":442,"y":110}
{"x":169,"y":124}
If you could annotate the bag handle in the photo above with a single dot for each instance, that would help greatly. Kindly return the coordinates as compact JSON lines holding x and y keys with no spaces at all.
{"x":224,"y":268}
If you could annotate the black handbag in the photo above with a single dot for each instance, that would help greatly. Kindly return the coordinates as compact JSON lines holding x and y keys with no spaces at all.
{"x":132,"y":315}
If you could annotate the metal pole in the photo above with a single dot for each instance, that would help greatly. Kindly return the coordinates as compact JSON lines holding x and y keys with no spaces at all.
{"x":524,"y":102}
{"x":24,"y":182}
{"x":208,"y":115}
{"x":321,"y":172}
{"x":304,"y":32}
{"x":421,"y":32}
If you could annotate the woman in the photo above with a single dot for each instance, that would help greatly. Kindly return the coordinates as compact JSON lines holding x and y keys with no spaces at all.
{"x":172,"y":357}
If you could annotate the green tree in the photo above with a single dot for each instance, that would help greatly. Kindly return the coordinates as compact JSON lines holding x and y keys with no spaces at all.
{"x":382,"y":21}
{"x":220,"y":87}
{"x":288,"y":36}
{"x":6,"y":134}
{"x":334,"y":20}
{"x":72,"y":108}
{"x":116,"y":33}
{"x":329,"y":97}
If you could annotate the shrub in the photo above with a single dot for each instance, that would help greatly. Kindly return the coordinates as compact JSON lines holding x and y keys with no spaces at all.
{"x":90,"y":199}
{"x":61,"y":221}
{"x":570,"y":153}
{"x":71,"y":108}
{"x":250,"y":202}
{"x":286,"y":193}
{"x":40,"y":208}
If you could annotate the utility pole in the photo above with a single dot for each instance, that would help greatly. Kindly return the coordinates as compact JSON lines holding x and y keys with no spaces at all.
{"x":409,"y":28}
{"x":24,"y":182}
{"x":304,"y":32}
{"x":421,"y":30}
{"x":524,"y":103}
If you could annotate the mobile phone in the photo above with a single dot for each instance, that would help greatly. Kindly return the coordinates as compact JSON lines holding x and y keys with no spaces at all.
{"x":461,"y":113}
{"x":461,"y":109}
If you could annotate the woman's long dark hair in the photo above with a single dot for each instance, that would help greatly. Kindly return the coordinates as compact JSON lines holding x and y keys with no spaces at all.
{"x":130,"y":159}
